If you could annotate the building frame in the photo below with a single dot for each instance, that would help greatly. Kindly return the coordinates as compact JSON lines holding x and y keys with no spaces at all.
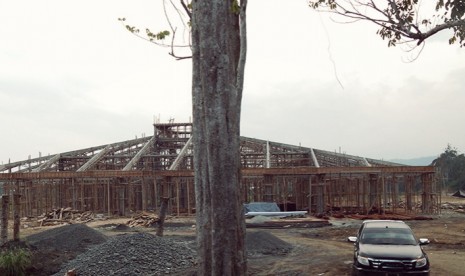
{"x":131,"y":176}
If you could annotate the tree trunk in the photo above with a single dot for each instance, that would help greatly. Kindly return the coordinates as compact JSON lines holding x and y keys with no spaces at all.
{"x":218,"y":62}
{"x":162,"y":215}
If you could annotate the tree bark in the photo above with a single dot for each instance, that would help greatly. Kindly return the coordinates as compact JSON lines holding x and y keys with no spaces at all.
{"x":162,"y":215}
{"x":218,"y":60}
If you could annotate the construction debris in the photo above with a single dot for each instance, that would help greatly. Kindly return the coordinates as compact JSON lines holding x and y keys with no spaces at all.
{"x":457,"y":207}
{"x":389,"y":217}
{"x":270,"y":223}
{"x":143,"y":219}
{"x":67,"y":215}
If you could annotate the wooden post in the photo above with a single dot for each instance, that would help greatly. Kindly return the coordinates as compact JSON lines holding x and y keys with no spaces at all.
{"x":162,"y":215}
{"x":108,"y":198}
{"x":188,"y":198}
{"x":310,"y":195}
{"x":177,"y":197}
{"x":144,"y":195}
{"x":320,"y":192}
{"x":122,"y":209}
{"x":83,"y":206}
{"x":16,"y":212}
{"x":95,"y":205}
{"x":4,"y":230}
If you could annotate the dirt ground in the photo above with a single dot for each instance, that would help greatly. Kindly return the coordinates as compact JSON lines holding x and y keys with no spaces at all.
{"x":317,"y":251}
{"x":325,"y":251}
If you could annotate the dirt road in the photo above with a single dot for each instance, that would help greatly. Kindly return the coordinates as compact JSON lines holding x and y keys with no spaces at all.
{"x":324,"y":250}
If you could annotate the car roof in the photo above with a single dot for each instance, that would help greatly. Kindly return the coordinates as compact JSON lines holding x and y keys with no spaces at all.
{"x":385,"y":224}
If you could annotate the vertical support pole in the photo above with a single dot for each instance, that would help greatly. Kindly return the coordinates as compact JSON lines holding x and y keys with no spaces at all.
{"x":188,"y":197}
{"x":408,"y":193}
{"x":28,"y":198}
{"x":73,"y":190}
{"x":83,"y":206}
{"x":16,"y":212}
{"x":384,"y":193}
{"x":155,"y":193}
{"x":167,"y":190}
{"x":4,"y":228}
{"x":310,"y":194}
{"x":284,"y":190}
{"x":95,"y":206}
{"x":426,"y":180}
{"x":122,"y":207}
{"x":108,"y":198}
{"x":144,"y":195}
{"x":40,"y":198}
{"x":177,"y":197}
{"x":328,"y":193}
{"x":320,"y":200}
{"x":268,"y":191}
{"x":374,"y":193}
{"x":396,"y":183}
{"x":130,"y":195}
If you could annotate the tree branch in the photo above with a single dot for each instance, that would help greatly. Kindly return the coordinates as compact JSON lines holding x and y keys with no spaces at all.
{"x":399,"y":20}
{"x":186,"y":9}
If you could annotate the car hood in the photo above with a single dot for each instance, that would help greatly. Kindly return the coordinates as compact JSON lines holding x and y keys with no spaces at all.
{"x":400,"y":252}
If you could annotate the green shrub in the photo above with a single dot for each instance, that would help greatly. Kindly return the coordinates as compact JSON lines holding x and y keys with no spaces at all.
{"x":15,"y":261}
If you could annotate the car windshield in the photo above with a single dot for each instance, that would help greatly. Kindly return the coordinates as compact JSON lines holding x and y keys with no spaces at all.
{"x":399,"y":236}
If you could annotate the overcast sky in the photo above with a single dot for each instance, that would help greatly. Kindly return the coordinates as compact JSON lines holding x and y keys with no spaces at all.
{"x":72,"y":77}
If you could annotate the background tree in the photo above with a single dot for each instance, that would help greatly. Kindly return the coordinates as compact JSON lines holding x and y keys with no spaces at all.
{"x":403,"y":21}
{"x":451,"y":169}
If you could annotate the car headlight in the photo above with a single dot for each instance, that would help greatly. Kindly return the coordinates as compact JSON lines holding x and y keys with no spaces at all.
{"x":421,"y":262}
{"x":363,"y":260}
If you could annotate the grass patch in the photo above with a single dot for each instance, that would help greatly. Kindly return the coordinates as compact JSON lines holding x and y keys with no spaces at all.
{"x":15,"y":261}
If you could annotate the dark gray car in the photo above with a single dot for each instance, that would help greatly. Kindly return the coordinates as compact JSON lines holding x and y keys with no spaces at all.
{"x":388,"y":248}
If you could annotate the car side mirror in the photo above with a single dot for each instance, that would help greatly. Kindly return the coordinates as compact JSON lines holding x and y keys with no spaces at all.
{"x":352,"y":239}
{"x":423,"y":241}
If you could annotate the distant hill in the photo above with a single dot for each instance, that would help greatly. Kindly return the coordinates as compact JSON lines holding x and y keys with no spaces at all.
{"x":420,"y":161}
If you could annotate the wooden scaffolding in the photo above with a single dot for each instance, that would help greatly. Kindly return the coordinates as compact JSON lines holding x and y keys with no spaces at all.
{"x":130,"y":176}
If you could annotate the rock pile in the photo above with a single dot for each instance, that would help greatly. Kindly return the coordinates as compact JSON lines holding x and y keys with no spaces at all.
{"x":89,"y":252}
{"x":134,"y":254}
{"x":265,"y":243}
{"x":72,"y":238}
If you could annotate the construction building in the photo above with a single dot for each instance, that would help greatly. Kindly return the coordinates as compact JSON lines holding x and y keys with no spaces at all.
{"x":129,"y":176}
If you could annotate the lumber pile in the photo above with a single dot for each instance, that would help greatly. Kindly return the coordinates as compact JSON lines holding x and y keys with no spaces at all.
{"x":457,"y":207}
{"x":65,"y":215}
{"x":273,"y":223}
{"x":143,"y":219}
